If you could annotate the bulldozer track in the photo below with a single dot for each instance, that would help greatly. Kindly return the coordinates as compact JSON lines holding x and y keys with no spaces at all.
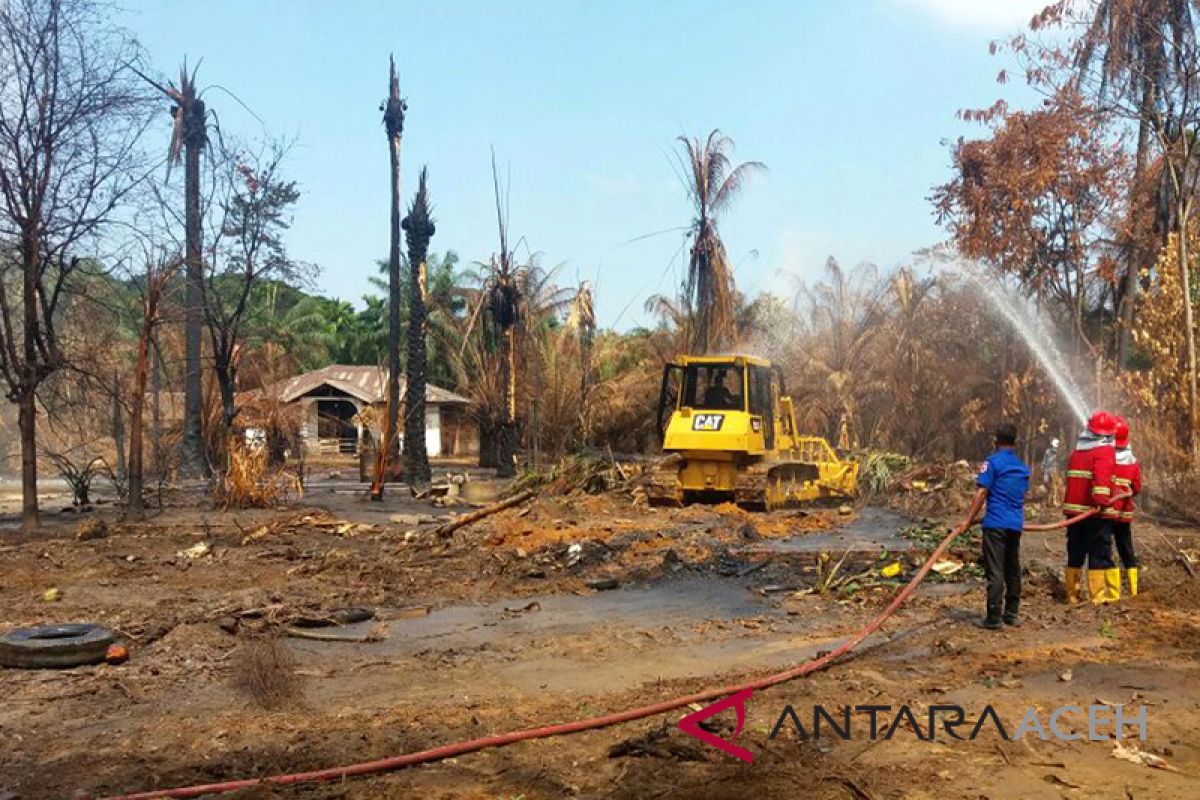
{"x":662,"y":483}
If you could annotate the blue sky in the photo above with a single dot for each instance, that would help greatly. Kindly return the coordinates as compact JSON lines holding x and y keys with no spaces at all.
{"x":846,"y":102}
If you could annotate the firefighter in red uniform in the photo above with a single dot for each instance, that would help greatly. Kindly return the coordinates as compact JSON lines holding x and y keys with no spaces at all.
{"x":1089,"y":485}
{"x":1127,"y":479}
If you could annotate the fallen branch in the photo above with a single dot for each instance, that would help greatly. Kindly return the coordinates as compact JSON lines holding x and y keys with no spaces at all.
{"x":1182,"y":556}
{"x":300,"y":633}
{"x":469,"y":519}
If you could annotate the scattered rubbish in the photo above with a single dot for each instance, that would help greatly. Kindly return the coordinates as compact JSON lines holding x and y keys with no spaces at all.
{"x":776,"y":589}
{"x":256,"y":534}
{"x":198,"y":550}
{"x":946,"y":568}
{"x":1066,"y":676}
{"x":1135,"y":756}
{"x":845,"y":510}
{"x":413,"y":519}
{"x":1063,"y":782}
{"x":659,"y":742}
{"x":52,"y":595}
{"x":893,"y":569}
{"x":116,"y":653}
{"x":929,"y":534}
{"x":574,"y":554}
{"x":528,"y":607}
{"x":747,"y":571}
{"x":601,"y":584}
{"x":479,"y":493}
{"x":55,"y":646}
{"x":378,"y":633}
{"x":747,"y":532}
{"x":91,"y":529}
{"x":337,"y":616}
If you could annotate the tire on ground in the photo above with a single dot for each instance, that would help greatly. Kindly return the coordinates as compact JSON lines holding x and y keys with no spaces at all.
{"x":55,"y":646}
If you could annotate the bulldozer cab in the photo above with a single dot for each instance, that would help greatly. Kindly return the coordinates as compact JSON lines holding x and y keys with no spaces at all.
{"x":714,"y":387}
{"x":732,"y":384}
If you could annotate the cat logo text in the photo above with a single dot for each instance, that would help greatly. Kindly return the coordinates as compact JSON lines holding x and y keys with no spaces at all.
{"x":707,"y":422}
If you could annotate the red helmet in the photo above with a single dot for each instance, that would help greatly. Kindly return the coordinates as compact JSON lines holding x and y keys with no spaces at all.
{"x":1102,"y":423}
{"x":1122,"y":432}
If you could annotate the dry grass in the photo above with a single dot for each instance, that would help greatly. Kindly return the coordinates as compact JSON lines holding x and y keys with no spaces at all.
{"x":264,"y":671}
{"x":251,"y":482}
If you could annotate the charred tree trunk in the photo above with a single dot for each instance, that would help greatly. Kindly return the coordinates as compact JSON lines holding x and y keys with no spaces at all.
{"x":393,"y":120}
{"x":507,"y":433}
{"x":135,"y":508}
{"x":119,"y":427}
{"x":156,"y":410}
{"x":26,"y":394}
{"x":419,"y":229}
{"x":1132,"y":283}
{"x":27,"y":422}
{"x":1189,"y":329}
{"x":193,"y":463}
{"x":489,"y":443}
{"x":227,"y":385}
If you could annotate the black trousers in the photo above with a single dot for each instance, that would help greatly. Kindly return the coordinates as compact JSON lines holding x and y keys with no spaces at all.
{"x":1090,"y":542}
{"x":1123,"y":538}
{"x":1002,"y":565}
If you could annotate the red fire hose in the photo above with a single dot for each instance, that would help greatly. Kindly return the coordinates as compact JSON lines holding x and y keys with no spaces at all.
{"x":500,"y":740}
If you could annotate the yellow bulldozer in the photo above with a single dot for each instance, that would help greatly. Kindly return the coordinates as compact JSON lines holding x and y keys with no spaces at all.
{"x":729,"y":430}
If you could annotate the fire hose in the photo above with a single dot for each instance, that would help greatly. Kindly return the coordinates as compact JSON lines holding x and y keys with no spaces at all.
{"x":592,"y":723}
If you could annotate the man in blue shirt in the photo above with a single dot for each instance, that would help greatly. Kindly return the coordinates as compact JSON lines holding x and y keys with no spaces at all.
{"x":1003,"y":480}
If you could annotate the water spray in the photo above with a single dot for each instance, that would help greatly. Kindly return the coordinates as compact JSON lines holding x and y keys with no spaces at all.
{"x":1030,"y":323}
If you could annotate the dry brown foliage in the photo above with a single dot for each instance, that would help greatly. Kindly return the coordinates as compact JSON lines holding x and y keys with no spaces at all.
{"x":251,"y":481}
{"x":264,"y":671}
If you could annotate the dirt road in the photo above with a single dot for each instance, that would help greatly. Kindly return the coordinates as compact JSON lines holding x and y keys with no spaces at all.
{"x":499,"y":629}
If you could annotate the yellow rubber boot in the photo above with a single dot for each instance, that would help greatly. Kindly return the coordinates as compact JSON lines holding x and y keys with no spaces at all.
{"x":1112,"y":585}
{"x":1071,"y":584}
{"x":1132,"y":574}
{"x":1097,"y":586}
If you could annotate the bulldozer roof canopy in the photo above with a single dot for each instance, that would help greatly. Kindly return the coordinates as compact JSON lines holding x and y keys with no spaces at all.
{"x":731,"y":360}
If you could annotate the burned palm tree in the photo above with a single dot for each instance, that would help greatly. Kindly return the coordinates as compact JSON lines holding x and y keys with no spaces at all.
{"x":418,"y":230}
{"x":189,"y":137}
{"x":504,"y":315}
{"x":502,"y":297}
{"x":582,"y":320}
{"x":393,"y":122}
{"x":709,"y":294}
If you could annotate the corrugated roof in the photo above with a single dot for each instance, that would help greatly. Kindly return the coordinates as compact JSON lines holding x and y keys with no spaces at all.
{"x":366,"y":384}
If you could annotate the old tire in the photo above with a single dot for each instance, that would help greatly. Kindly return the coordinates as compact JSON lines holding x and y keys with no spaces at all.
{"x":55,"y":646}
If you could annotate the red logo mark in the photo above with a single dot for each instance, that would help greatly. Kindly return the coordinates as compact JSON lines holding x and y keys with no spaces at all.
{"x":691,"y":725}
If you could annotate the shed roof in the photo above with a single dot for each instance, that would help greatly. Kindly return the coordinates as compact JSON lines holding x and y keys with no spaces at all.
{"x":364,"y":383}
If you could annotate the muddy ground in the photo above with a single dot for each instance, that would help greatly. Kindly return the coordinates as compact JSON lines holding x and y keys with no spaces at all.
{"x":513,"y":622}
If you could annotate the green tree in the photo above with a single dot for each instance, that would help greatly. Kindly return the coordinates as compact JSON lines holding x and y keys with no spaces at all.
{"x":418,"y":230}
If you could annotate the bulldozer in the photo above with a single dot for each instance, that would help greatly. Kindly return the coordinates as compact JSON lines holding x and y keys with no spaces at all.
{"x":728,"y":428}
